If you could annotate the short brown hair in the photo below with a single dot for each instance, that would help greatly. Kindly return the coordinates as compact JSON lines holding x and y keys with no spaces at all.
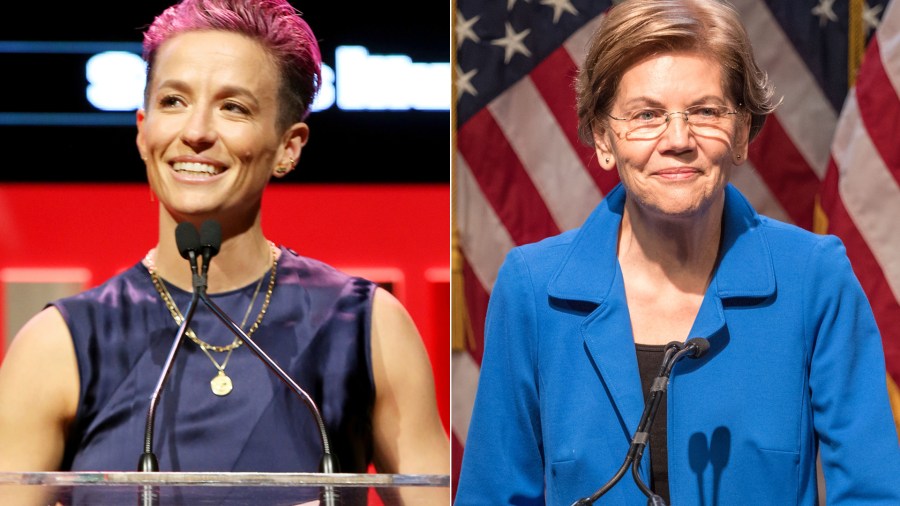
{"x":636,"y":29}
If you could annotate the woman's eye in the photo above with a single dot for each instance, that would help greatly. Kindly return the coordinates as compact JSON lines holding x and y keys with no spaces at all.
{"x":645,"y":115}
{"x":169,"y":101}
{"x":235,"y":108}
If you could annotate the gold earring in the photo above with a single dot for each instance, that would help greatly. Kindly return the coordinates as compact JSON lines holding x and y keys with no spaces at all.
{"x":607,"y":160}
{"x":738,"y":157}
{"x":284,"y":169}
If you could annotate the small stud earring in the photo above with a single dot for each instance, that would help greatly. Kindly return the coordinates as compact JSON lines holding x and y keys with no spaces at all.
{"x":284,"y":169}
{"x":738,"y":157}
{"x":607,"y":160}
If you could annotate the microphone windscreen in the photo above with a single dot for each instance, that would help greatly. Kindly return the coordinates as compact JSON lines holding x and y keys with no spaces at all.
{"x":186,"y":238}
{"x":211,"y":236}
{"x":700,"y":346}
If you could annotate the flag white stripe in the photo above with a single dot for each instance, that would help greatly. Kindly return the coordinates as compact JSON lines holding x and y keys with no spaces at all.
{"x":749,"y":182}
{"x":549,"y":159}
{"x":464,"y":382}
{"x":577,"y":44}
{"x":889,"y":43}
{"x":806,"y":114}
{"x":862,"y":176}
{"x":483,"y":238}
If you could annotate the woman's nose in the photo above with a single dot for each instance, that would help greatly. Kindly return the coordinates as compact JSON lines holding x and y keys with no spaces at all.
{"x":199,"y":131}
{"x":678,"y":130}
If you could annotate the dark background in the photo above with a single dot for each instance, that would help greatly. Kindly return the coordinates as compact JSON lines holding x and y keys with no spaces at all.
{"x":344,"y":147}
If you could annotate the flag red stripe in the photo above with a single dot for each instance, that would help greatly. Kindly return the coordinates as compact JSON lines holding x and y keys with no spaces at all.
{"x":785,"y":172}
{"x":554,"y":79}
{"x":867,"y":269}
{"x":477,"y":302}
{"x":503,"y":180}
{"x":879,"y":108}
{"x":456,"y":453}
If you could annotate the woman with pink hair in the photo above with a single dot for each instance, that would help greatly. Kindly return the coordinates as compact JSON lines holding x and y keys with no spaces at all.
{"x":229,"y":84}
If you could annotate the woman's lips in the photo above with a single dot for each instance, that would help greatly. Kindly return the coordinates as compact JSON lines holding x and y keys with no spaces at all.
{"x":678,"y":173}
{"x":196,"y":168}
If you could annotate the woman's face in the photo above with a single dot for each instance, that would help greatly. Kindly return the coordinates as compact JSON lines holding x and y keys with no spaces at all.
{"x":683,"y":171}
{"x":208,"y":134}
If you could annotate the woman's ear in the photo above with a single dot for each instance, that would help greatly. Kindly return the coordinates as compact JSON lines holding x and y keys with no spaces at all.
{"x":294,"y":139}
{"x":741,"y":144}
{"x":603,"y":148}
{"x":140,"y":115}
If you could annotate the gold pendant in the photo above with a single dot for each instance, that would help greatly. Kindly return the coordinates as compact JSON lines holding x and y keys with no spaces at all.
{"x":221,"y":384}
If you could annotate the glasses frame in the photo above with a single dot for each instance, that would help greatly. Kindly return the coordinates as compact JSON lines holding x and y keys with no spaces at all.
{"x":686,"y":114}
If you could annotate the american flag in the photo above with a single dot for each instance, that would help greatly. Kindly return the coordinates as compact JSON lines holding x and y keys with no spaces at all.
{"x":520,"y":173}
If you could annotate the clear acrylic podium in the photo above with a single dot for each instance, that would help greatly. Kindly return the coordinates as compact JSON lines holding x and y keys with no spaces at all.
{"x":201,"y":489}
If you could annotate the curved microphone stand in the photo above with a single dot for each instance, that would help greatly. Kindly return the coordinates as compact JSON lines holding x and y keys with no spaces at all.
{"x":675,"y":351}
{"x":188,"y":241}
{"x":211,"y":241}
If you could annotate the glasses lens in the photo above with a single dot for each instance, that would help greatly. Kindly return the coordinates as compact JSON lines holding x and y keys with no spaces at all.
{"x":648,"y":124}
{"x":646,"y":132}
{"x":706,"y":115}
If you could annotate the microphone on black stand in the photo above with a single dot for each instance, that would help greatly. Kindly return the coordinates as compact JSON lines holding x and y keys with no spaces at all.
{"x":188,"y":241}
{"x":211,"y":241}
{"x":675,"y":351}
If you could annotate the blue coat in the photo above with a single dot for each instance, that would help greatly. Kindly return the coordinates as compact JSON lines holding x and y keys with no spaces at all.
{"x":795,"y":362}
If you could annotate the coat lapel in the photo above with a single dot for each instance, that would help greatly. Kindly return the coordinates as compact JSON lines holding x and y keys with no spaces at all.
{"x":590,"y":273}
{"x":610,"y":344}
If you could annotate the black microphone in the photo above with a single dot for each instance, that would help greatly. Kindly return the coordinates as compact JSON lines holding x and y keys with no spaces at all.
{"x":698,"y":346}
{"x":210,"y":243}
{"x":188,"y":242}
{"x":695,"y":348}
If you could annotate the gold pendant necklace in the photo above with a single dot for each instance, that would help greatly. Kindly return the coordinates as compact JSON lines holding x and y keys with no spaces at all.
{"x":221,"y":383}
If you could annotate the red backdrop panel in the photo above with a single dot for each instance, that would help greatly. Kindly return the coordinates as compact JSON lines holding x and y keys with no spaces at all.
{"x":398,"y":232}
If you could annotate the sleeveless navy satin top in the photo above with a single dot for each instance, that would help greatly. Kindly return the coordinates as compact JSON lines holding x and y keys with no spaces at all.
{"x":316,"y":328}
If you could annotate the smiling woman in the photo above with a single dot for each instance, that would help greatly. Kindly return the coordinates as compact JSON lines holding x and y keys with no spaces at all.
{"x":680,"y":172}
{"x":211,"y":132}
{"x":55,"y":54}
{"x":230,"y":83}
{"x":584,"y":329}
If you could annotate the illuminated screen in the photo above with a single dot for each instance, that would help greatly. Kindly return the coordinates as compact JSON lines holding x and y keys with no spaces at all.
{"x":71,"y":81}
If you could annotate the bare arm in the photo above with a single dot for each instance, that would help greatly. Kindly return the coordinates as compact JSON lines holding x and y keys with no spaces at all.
{"x":409,"y":436}
{"x":39,"y":389}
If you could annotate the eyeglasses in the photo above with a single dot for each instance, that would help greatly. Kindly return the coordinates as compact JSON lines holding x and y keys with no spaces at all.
{"x":650,"y":123}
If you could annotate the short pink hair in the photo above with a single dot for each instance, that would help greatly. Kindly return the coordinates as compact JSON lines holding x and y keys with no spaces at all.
{"x":273,"y":23}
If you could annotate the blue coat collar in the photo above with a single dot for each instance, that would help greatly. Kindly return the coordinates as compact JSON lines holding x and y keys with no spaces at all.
{"x":589,"y":268}
{"x":590,"y":273}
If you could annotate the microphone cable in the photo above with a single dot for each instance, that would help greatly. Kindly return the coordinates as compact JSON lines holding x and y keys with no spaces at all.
{"x":675,"y":351}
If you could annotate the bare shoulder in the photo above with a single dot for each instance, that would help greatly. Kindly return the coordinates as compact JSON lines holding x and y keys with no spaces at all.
{"x":398,"y":354}
{"x":44,"y":338}
{"x":39,"y":391}
{"x":390,"y":320}
{"x":409,"y":436}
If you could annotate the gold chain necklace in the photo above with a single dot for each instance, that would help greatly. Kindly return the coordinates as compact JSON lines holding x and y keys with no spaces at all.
{"x":221,"y":384}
